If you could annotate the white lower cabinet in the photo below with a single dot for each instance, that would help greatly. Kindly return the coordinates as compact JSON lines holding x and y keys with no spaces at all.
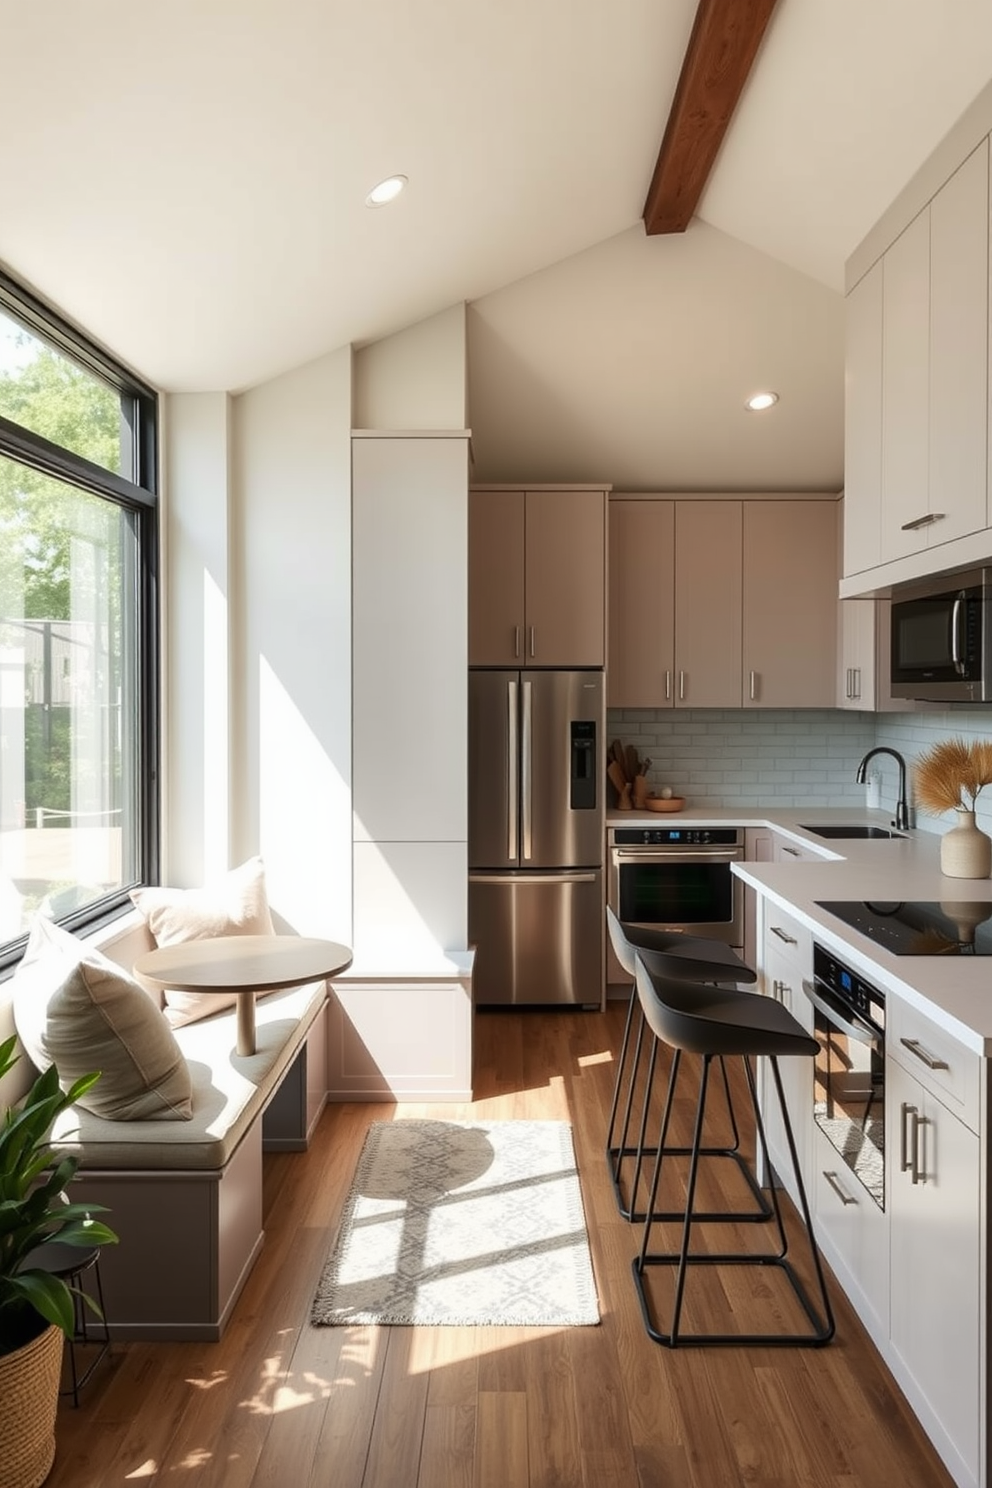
{"x":915,"y":1271}
{"x":853,"y":1233}
{"x":783,"y":972}
{"x":936,"y":1259}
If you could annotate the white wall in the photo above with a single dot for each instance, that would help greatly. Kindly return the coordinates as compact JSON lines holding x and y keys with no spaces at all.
{"x":630,"y":363}
{"x":415,"y":379}
{"x":291,"y":703}
{"x":196,"y":609}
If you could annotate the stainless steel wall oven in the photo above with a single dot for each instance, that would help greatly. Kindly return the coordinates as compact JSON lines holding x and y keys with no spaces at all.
{"x":678,"y":878}
{"x":849,"y":1075}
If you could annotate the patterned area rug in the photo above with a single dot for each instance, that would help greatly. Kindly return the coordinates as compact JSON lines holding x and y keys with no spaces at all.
{"x":462,"y":1223}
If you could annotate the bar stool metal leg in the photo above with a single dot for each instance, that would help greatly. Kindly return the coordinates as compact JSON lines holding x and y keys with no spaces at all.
{"x":627,"y":1203}
{"x":818,"y":1313}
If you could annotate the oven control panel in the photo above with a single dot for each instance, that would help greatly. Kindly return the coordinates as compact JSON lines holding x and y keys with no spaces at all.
{"x":848,"y":987}
{"x":675,"y":836}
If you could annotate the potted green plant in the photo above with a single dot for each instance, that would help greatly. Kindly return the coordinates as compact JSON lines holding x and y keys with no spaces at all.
{"x":36,"y":1308}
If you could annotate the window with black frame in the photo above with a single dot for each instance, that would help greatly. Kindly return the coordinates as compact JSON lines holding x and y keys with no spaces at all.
{"x":78,"y":676}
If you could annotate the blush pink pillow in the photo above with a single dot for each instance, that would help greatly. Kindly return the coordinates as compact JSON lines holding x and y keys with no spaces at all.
{"x":233,"y":905}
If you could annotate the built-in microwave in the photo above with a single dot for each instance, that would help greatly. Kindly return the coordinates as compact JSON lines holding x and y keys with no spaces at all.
{"x":941,"y":638}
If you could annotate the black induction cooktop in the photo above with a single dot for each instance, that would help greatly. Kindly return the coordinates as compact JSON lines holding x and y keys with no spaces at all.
{"x":951,"y":927}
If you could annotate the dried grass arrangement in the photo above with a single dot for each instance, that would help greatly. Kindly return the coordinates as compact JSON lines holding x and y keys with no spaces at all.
{"x":949,"y":776}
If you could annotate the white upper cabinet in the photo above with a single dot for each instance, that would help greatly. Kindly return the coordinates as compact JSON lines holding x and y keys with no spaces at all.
{"x":959,"y":347}
{"x":917,"y":446}
{"x":863,"y":424}
{"x":906,"y":391}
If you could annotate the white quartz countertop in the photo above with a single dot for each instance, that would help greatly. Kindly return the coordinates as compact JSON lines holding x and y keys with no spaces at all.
{"x":956,"y":991}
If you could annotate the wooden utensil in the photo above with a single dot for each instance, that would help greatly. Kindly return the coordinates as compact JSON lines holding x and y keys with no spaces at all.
{"x":631,"y":768}
{"x":616,"y":749}
{"x":619,"y":780}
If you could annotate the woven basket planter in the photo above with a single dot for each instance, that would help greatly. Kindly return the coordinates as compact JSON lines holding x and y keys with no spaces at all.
{"x":29,"y":1397}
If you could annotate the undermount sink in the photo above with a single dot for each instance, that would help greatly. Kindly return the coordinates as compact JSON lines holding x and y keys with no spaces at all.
{"x":857,"y":830}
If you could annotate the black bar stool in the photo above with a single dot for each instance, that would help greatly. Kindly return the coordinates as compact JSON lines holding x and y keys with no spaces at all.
{"x":685,"y":958}
{"x":70,"y":1262}
{"x":712,"y":1022}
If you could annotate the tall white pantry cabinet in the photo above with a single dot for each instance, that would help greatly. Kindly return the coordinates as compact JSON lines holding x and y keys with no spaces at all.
{"x":401,"y":1018}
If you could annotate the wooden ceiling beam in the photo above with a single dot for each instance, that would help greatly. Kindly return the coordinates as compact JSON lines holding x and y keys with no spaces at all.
{"x":726,"y":35}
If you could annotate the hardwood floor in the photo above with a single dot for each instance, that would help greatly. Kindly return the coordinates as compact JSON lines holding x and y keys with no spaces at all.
{"x":280,"y":1404}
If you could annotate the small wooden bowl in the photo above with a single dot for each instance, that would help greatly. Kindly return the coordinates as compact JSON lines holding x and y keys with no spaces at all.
{"x":660,"y":803}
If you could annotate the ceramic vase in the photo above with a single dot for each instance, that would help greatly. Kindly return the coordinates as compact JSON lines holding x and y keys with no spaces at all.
{"x":965,"y":851}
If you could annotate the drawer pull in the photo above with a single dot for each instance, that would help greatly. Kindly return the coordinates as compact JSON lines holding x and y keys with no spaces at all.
{"x":924,"y":521}
{"x":841,"y":1193}
{"x":915,"y":1047}
{"x":794,"y":851}
{"x":783,"y":935}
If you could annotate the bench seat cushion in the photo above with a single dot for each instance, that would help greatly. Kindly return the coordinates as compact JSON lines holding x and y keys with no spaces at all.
{"x":229,"y":1090}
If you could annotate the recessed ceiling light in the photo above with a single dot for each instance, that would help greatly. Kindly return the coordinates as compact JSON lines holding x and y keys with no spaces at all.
{"x":758,"y":401}
{"x":386,"y":191}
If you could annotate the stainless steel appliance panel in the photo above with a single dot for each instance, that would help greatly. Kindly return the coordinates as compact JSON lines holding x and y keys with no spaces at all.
{"x":539,"y":937}
{"x":849,"y":1074}
{"x":536,"y":769}
{"x":494,"y":769}
{"x":558,"y":830}
{"x":685,"y":885}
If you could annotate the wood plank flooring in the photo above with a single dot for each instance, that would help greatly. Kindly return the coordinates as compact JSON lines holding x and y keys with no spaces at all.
{"x":280,"y":1404}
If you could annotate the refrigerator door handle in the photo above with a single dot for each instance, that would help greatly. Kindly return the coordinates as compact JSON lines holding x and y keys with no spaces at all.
{"x":537,"y":877}
{"x":526,"y":771}
{"x":512,"y":769}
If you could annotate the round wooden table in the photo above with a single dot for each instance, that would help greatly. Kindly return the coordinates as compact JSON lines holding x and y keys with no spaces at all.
{"x":244,"y":965}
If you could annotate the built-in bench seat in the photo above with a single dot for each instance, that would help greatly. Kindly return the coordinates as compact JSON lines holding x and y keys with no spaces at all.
{"x":185,"y":1197}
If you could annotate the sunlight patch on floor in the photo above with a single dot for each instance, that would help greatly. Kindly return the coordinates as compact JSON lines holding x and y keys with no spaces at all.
{"x":433,"y":1348}
{"x":604,"y":1057}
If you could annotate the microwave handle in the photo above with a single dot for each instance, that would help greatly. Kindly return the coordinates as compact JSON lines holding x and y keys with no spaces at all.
{"x":956,"y":610}
{"x":848,"y":1022}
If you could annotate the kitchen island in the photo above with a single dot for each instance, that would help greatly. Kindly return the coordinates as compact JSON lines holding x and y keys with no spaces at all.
{"x":912,"y":1256}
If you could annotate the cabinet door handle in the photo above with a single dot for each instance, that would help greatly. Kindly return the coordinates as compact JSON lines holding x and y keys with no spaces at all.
{"x":668,"y":687}
{"x":516,"y":640}
{"x":841,"y":1193}
{"x":857,"y":684}
{"x":905,"y":1161}
{"x":924,"y":521}
{"x":753,"y":685}
{"x":681,"y":685}
{"x":917,"y":1173}
{"x":931,"y":1061}
{"x":783,"y":934}
{"x":533,"y":640}
{"x":847,"y":689}
{"x":792,"y":851}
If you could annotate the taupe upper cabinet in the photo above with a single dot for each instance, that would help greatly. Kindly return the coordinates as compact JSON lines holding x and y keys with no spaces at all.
{"x":708,"y":604}
{"x":642,"y":604}
{"x":675,"y":604}
{"x":537,"y":576}
{"x":722,"y":603}
{"x":790,"y":604}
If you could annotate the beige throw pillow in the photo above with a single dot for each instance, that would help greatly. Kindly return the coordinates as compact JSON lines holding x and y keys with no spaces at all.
{"x":78,"y":1010}
{"x":233,"y":905}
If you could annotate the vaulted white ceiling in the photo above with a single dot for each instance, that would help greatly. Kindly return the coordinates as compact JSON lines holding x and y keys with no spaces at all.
{"x":187,"y":180}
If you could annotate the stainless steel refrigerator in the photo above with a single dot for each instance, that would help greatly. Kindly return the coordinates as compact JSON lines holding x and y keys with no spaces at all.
{"x":535,"y":836}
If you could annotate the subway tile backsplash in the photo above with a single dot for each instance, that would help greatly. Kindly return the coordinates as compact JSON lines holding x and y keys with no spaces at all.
{"x":912,"y":733}
{"x":800,"y":757}
{"x":750,"y":757}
